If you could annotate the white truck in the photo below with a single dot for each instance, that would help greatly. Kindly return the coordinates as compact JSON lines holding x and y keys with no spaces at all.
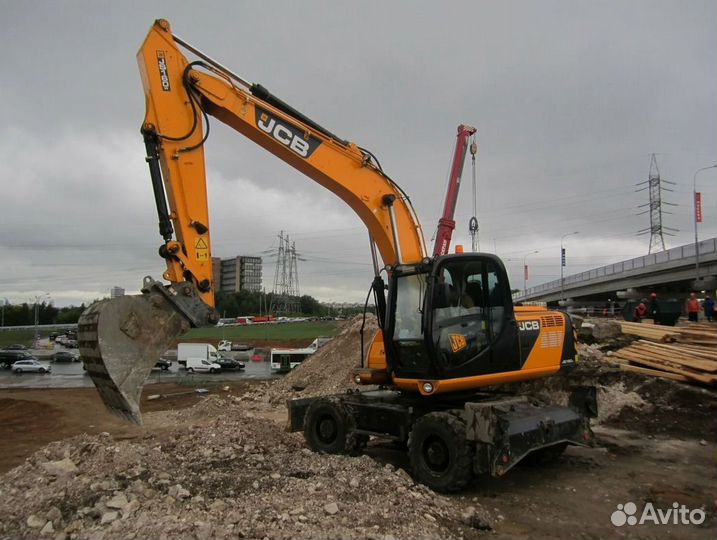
{"x":198,"y":357}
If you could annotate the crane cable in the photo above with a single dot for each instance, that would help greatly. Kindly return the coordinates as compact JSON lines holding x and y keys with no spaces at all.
{"x":473,"y":222}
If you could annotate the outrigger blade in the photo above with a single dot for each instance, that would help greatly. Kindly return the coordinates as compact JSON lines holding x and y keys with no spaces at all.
{"x":121,"y":339}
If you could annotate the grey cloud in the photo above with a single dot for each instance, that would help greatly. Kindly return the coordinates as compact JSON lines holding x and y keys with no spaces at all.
{"x":570,"y":99}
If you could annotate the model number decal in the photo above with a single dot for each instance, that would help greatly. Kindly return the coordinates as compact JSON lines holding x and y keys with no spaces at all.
{"x":292,"y":137}
{"x":163,"y":73}
{"x":527,"y":326}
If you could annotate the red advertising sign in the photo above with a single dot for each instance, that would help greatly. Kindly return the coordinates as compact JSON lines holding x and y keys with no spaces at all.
{"x":698,"y":207}
{"x":525,"y":270}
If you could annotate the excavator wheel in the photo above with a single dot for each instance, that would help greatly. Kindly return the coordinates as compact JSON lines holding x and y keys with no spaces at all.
{"x":439,"y":453}
{"x":329,"y":428}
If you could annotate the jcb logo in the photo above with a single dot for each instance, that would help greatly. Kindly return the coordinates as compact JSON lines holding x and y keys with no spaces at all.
{"x":286,"y":134}
{"x":529,"y":325}
{"x":458,"y":342}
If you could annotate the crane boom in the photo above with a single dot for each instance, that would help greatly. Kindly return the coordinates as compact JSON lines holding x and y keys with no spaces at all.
{"x":446,"y":223}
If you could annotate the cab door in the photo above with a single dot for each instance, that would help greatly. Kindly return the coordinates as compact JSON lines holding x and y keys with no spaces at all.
{"x":470,"y":321}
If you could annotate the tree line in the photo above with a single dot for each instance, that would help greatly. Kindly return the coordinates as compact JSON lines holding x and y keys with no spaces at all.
{"x":24,"y":314}
{"x":259,"y":303}
{"x":228,"y":305}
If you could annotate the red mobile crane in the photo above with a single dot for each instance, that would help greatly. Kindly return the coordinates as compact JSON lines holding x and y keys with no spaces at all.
{"x":446,"y":224}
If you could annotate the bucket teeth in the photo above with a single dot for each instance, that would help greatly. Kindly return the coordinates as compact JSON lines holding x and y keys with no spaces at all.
{"x":120,"y":341}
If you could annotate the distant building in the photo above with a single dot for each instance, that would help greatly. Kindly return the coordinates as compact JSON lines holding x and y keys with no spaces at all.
{"x":237,"y":274}
{"x":116,"y":292}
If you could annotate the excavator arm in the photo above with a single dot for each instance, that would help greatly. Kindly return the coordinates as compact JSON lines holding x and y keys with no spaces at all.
{"x":121,"y":339}
{"x":178,"y":93}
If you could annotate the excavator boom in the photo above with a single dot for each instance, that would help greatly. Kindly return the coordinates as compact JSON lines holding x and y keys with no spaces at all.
{"x":121,"y":340}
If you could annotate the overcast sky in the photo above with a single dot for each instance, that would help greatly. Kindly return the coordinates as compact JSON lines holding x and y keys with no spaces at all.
{"x":570,"y":99}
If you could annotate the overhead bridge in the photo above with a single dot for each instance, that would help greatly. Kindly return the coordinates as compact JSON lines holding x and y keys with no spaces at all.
{"x":671,"y":270}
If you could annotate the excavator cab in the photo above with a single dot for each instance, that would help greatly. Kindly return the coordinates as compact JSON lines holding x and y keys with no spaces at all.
{"x":451,"y":318}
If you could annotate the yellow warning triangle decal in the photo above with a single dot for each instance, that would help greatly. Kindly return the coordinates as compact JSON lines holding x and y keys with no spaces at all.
{"x":201,"y":244}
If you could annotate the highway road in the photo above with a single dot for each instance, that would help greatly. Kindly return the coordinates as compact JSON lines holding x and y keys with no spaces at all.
{"x":71,"y":375}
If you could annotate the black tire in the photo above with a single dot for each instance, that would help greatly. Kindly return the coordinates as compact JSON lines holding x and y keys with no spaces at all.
{"x":329,"y":426}
{"x":212,"y":370}
{"x":164,"y":368}
{"x":18,"y":371}
{"x":190,"y":370}
{"x":439,"y":453}
{"x":545,"y":455}
{"x":42,"y":370}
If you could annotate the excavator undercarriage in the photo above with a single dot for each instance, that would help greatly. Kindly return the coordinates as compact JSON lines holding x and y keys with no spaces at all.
{"x":452,"y":438}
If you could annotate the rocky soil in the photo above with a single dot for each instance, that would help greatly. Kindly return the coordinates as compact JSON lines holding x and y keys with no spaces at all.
{"x":221,"y":472}
{"x":226,"y":468}
{"x":327,"y":371}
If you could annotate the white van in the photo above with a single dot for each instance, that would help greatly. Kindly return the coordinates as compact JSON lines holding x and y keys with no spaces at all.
{"x":202,"y":365}
{"x":197,"y":351}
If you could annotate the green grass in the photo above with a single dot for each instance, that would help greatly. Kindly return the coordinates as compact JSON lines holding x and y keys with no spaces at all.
{"x":268,"y":332}
{"x":307,"y":331}
{"x":11,"y":337}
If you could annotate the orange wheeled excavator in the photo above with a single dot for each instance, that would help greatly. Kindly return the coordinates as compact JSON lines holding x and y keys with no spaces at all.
{"x":448,"y":328}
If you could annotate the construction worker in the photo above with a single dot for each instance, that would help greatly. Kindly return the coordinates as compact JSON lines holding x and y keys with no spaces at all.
{"x":640,"y":312}
{"x":709,"y":307}
{"x":654,"y":308}
{"x":693,"y":307}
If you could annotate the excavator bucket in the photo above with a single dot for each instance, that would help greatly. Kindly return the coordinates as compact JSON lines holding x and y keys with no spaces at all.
{"x":120,"y":340}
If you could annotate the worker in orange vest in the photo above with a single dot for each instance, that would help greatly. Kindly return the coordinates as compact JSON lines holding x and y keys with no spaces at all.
{"x":693,"y":307}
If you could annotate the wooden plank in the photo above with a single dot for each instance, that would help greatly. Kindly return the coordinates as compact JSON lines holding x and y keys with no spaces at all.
{"x":697,"y":351}
{"x":647,"y":331}
{"x":661,"y":352}
{"x":700,"y":349}
{"x":654,"y":373}
{"x":643,"y":351}
{"x":667,"y":366}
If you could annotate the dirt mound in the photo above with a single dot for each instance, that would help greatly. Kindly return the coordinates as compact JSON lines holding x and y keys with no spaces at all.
{"x":328,"y":370}
{"x":630,"y":400}
{"x":218,"y":476}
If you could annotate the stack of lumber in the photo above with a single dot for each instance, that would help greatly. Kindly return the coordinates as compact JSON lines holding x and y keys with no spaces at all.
{"x":683,"y":353}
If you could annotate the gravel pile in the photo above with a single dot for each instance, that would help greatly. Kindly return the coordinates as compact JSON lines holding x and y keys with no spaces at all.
{"x":219,"y":472}
{"x":327,"y":371}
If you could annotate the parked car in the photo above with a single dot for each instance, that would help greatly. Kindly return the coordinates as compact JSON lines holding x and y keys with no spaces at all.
{"x":30,"y":365}
{"x":71,"y":343}
{"x":8,"y":358}
{"x":163,"y":364}
{"x":64,"y":356}
{"x":15,"y":347}
{"x":229,"y":363}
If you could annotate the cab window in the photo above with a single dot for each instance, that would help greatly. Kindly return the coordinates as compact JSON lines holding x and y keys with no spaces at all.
{"x":409,"y":306}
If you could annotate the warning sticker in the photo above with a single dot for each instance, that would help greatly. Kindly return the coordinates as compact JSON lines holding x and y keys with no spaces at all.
{"x":458,"y":342}
{"x":202,"y":249}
